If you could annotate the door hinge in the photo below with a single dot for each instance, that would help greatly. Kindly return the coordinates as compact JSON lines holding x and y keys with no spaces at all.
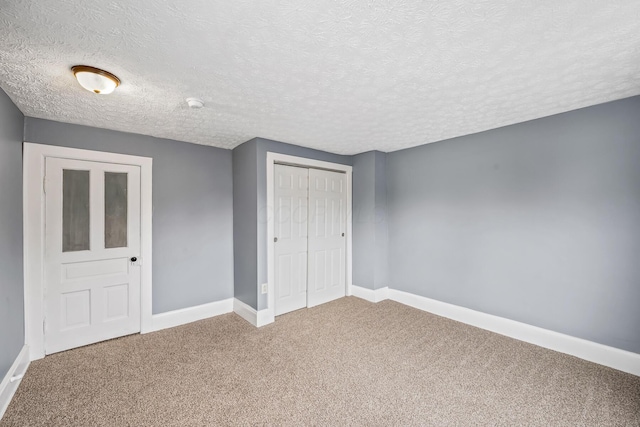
{"x":44,"y":184}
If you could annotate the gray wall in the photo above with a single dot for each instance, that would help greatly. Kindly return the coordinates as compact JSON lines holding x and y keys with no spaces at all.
{"x":245,"y":226}
{"x":370,"y":229}
{"x":537,"y":222}
{"x":363,"y":218}
{"x":192,"y":209}
{"x":381,"y":266}
{"x":11,"y":265}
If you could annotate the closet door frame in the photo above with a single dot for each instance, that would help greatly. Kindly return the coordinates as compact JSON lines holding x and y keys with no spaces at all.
{"x":285,"y":159}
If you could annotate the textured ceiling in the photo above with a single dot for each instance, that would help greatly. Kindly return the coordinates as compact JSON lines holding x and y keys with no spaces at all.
{"x":341,"y":76}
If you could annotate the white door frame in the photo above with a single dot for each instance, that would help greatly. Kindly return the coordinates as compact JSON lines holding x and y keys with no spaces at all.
{"x":272,"y":159}
{"x":33,"y":179}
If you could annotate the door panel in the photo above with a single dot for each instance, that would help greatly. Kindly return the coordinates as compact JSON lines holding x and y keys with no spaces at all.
{"x":76,"y":309}
{"x":327,"y":243}
{"x":92,"y":290}
{"x":116,"y":302}
{"x":79,"y":270}
{"x":291,"y":201}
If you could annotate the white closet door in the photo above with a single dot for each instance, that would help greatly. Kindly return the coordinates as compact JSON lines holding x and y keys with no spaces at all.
{"x":291,"y":206}
{"x":327,"y":242}
{"x":92,"y":287}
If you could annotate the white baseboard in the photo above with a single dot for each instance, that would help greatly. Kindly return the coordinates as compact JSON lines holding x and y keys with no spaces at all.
{"x":188,"y":315}
{"x":265,"y":317}
{"x":598,"y":353}
{"x":11,"y":381}
{"x":251,"y":315}
{"x":370,"y":295}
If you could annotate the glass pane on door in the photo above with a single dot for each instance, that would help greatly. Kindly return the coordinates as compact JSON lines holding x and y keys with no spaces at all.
{"x":115,"y":210}
{"x":75,"y":210}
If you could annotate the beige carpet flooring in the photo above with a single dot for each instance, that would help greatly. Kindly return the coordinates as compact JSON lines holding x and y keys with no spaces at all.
{"x":348,"y":362}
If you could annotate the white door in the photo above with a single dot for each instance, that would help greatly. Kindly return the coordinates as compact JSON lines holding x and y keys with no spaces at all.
{"x":327,"y":242}
{"x":92,"y":283}
{"x":291,"y":189}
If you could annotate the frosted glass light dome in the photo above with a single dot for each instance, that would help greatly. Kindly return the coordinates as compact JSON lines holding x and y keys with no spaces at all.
{"x":95,"y":80}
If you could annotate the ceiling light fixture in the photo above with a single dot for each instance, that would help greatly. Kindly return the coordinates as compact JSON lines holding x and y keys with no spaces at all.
{"x":95,"y":80}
